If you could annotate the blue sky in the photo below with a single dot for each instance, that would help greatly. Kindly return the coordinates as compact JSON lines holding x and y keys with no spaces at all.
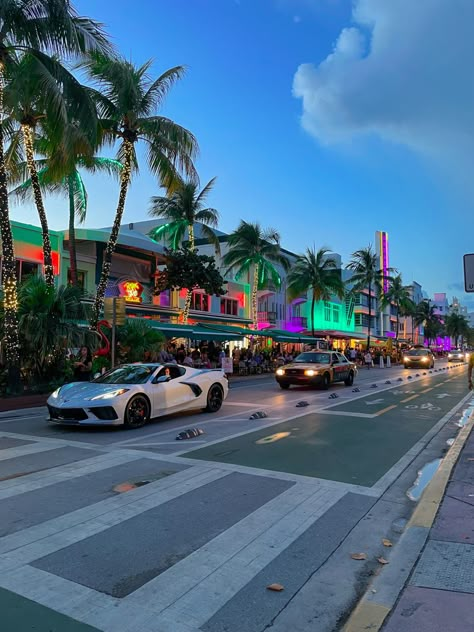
{"x":303,"y":110}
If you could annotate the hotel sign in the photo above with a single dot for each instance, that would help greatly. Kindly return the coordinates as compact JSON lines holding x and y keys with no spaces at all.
{"x":132,"y":291}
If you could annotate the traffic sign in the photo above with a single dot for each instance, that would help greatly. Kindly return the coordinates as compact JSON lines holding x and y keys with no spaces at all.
{"x":469,"y":273}
{"x":119,"y":315}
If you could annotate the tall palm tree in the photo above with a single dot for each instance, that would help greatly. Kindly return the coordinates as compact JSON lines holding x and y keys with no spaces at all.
{"x":251,"y":248}
{"x":318,"y":272}
{"x":408,"y":310}
{"x":426,"y":315}
{"x":126,"y":100}
{"x":182,"y":209}
{"x":35,"y":28}
{"x":456,"y":326}
{"x":366,"y":274}
{"x":43,"y":94}
{"x":60,"y":173}
{"x":399,"y":295}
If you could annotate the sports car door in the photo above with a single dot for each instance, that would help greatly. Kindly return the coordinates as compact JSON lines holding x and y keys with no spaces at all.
{"x":172,"y":395}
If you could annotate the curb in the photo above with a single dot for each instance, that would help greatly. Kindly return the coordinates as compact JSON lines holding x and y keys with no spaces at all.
{"x":382,"y":594}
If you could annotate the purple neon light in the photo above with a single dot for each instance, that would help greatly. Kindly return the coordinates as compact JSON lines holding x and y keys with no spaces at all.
{"x":384,"y":253}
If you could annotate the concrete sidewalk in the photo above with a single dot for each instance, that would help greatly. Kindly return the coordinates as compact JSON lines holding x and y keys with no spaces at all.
{"x":439,"y":596}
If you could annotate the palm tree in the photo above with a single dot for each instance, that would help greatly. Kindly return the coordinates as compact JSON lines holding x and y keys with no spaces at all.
{"x":398,"y":294}
{"x":32,"y":27}
{"x":60,"y":172}
{"x":48,"y":323}
{"x":426,"y":315}
{"x":408,"y":310}
{"x":318,"y":272}
{"x":182,"y":209}
{"x":366,"y":274}
{"x":43,"y":94}
{"x":126,"y":104}
{"x":253,"y":248}
{"x":456,"y":326}
{"x":137,"y":337}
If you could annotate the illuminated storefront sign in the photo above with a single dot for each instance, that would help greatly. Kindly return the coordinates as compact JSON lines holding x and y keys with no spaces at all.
{"x":132,"y":291}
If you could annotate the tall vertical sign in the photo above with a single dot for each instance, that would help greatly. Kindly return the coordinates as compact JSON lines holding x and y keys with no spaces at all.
{"x":383,"y":257}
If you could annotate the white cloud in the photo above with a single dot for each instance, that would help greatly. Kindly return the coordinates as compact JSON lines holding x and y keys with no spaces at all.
{"x":403,"y":71}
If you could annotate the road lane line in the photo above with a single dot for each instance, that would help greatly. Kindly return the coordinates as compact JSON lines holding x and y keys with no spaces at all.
{"x":427,"y":390}
{"x":407,"y":399}
{"x":385,"y":410}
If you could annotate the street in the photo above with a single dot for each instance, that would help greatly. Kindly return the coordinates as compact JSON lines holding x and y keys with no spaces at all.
{"x":135,"y":531}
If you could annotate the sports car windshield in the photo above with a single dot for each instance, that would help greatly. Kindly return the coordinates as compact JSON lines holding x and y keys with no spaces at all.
{"x":128,"y":374}
{"x":418,"y":352}
{"x":313,"y":358}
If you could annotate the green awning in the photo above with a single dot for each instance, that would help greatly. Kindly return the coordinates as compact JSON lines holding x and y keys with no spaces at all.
{"x":230,"y":329}
{"x":193,"y":332}
{"x":280,"y":335}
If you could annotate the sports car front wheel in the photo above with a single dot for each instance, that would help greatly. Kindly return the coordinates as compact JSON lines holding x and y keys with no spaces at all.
{"x":137,"y":412}
{"x":215,"y":397}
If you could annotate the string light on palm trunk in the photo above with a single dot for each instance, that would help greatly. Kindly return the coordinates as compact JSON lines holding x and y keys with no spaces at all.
{"x":255,"y":296}
{"x":189,"y":293}
{"x":10,"y":301}
{"x":111,"y":244}
{"x":30,"y":158}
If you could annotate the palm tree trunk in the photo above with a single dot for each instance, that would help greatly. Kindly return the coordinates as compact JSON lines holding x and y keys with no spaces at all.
{"x":9,"y":280}
{"x":111,"y":244}
{"x":255,"y":297}
{"x":313,"y":301}
{"x":30,"y":159}
{"x":398,"y":324}
{"x":72,"y":234}
{"x":189,"y":293}
{"x":370,"y":317}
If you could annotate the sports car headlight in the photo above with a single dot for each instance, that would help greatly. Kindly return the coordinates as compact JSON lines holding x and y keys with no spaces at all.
{"x":280,"y":372}
{"x":56,"y":393}
{"x":406,"y":359}
{"x":310,"y":372}
{"x":424,"y":359}
{"x":110,"y":394}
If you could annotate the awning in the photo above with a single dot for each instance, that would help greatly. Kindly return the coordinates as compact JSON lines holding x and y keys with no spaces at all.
{"x":230,"y":329}
{"x":280,"y":335}
{"x":193,"y":332}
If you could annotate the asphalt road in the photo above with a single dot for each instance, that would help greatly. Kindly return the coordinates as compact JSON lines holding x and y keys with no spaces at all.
{"x":133,"y":530}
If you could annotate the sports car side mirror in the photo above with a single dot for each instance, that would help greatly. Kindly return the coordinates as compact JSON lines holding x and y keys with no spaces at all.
{"x":161,"y":379}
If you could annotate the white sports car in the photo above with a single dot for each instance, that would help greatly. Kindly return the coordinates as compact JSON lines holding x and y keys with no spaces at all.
{"x":132,"y":394}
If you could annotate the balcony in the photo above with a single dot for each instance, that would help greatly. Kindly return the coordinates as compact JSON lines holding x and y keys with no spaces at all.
{"x":267,"y":317}
{"x":298,"y":321}
{"x":269,"y":289}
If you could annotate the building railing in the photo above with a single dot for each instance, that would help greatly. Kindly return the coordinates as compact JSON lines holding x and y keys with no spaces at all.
{"x":299,"y":321}
{"x":267,"y":317}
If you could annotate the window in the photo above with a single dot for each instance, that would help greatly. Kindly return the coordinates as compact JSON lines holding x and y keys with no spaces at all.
{"x":335,"y":313}
{"x":200,"y":302}
{"x":229,"y":306}
{"x":25,"y":269}
{"x":81,"y":278}
{"x":327,"y":311}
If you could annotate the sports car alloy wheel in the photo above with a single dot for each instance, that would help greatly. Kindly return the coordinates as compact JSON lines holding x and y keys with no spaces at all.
{"x":326,"y":381}
{"x":137,"y":412}
{"x":215,"y":398}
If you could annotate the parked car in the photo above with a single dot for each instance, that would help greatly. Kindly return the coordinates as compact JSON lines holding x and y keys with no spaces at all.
{"x":317,"y":368}
{"x":132,"y":394}
{"x":457,"y":355}
{"x":418,"y":358}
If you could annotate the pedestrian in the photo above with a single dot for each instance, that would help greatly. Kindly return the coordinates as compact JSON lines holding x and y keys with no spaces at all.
{"x":353,"y":355}
{"x":83,"y":365}
{"x":368,"y":359}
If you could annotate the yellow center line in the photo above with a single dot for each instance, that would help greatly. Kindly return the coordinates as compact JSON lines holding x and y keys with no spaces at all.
{"x":407,"y":399}
{"x":427,"y":390}
{"x":384,"y":410}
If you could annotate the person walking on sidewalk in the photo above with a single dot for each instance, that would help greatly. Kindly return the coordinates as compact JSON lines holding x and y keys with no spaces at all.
{"x":470,"y":366}
{"x":368,"y":359}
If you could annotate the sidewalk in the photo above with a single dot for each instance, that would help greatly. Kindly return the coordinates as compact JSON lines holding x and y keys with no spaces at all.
{"x":439,"y":595}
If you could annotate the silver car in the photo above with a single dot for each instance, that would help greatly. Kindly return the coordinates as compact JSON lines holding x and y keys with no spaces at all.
{"x":457,"y":355}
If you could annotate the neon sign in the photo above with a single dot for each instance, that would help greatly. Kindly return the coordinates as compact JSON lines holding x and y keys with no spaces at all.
{"x":132,"y":291}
